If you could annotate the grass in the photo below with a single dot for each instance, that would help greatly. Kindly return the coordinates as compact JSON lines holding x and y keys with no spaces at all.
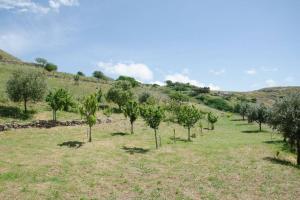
{"x":226,"y":163}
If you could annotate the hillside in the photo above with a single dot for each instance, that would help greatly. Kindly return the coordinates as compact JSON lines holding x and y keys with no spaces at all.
{"x":4,"y":56}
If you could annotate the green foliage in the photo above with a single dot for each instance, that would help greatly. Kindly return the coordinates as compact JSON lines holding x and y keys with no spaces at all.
{"x":80,"y":73}
{"x":217,"y":103}
{"x":258,"y":114}
{"x":88,"y":110}
{"x":212,"y":119}
{"x":119,"y":94}
{"x":153,"y":116}
{"x":132,"y":111}
{"x":179,"y":97}
{"x":143,"y":98}
{"x":50,"y":67}
{"x":188,"y":116}
{"x":76,"y":79}
{"x":107,"y":112}
{"x":99,"y":75}
{"x":99,"y":95}
{"x":132,"y":81}
{"x":285,"y":117}
{"x":26,"y":85}
{"x":244,"y":107}
{"x":41,"y":61}
{"x":59,"y":99}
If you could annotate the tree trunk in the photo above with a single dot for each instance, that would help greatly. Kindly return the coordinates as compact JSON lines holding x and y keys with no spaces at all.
{"x":131,"y":128}
{"x":298,"y":151}
{"x":174,"y":135}
{"x":25,"y":105}
{"x":90,"y":134}
{"x":54,"y":115}
{"x":259,"y":126}
{"x":155,"y":139}
{"x":212,"y":126}
{"x":189,"y":134}
{"x":243,"y":117}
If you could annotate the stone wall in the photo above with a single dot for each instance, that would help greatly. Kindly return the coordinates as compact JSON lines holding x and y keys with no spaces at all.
{"x":46,"y":124}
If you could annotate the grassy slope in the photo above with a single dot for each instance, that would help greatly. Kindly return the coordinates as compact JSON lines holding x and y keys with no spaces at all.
{"x":56,"y":80}
{"x":7,"y":57}
{"x":232,"y":162}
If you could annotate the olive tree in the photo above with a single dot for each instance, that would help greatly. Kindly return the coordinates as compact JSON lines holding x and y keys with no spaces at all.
{"x":26,"y":85}
{"x":188,"y":116}
{"x":88,"y":110}
{"x":132,"y":111}
{"x":153,"y":115}
{"x":258,"y":114}
{"x":119,"y":94}
{"x":59,"y":99}
{"x":41,"y":61}
{"x":285,"y":117}
{"x":243,"y":109}
{"x":212,"y":119}
{"x":50,"y":67}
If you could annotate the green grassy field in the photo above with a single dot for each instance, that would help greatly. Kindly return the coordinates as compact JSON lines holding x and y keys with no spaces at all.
{"x":232,"y":162}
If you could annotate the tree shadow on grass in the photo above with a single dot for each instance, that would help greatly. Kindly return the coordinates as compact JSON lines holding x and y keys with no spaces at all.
{"x":254,"y":131}
{"x":245,"y":124}
{"x":179,"y":139}
{"x":133,"y":150}
{"x":281,"y":162}
{"x":72,"y":144}
{"x":119,"y":134}
{"x":237,"y":120}
{"x":15,"y":112}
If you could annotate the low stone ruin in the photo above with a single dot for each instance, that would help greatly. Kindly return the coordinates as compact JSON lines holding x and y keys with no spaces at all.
{"x":45,"y":124}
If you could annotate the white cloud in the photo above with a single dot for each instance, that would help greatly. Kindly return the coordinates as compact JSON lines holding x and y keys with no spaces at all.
{"x":158,"y":83}
{"x":33,"y":7}
{"x":139,"y":71}
{"x":251,"y":71}
{"x":56,"y":4}
{"x":270,"y":83}
{"x":217,"y":72}
{"x":182,"y":78}
{"x":213,"y":87}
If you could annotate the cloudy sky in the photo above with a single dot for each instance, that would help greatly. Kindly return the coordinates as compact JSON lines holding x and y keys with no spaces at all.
{"x":229,"y":45}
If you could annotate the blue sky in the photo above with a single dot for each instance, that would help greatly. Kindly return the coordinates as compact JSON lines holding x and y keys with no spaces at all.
{"x":229,"y":45}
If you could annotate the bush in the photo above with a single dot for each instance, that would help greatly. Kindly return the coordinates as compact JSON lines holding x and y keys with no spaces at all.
{"x":51,"y":67}
{"x":99,"y":75}
{"x":218,"y":103}
{"x":131,"y":80}
{"x":80,"y":73}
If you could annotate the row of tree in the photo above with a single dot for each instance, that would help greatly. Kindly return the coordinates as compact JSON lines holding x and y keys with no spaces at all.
{"x":31,"y":86}
{"x":283,"y":116}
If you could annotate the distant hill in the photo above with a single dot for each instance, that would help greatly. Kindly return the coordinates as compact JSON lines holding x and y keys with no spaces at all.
{"x":4,"y":56}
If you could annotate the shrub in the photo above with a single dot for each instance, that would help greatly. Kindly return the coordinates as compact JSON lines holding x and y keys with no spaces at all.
{"x":50,"y":67}
{"x":132,"y":81}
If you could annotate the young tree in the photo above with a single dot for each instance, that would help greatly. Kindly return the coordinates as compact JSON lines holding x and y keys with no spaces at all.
{"x":41,"y":61}
{"x":26,"y":85}
{"x":99,"y":95}
{"x":88,"y":111}
{"x":258,"y":114}
{"x":179,"y":97}
{"x":212,"y":119}
{"x":51,"y":67}
{"x":132,"y":111}
{"x":59,"y":99}
{"x":76,"y":79}
{"x":153,"y":115}
{"x":243,"y":109}
{"x":188,"y":116}
{"x":285,"y":117}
